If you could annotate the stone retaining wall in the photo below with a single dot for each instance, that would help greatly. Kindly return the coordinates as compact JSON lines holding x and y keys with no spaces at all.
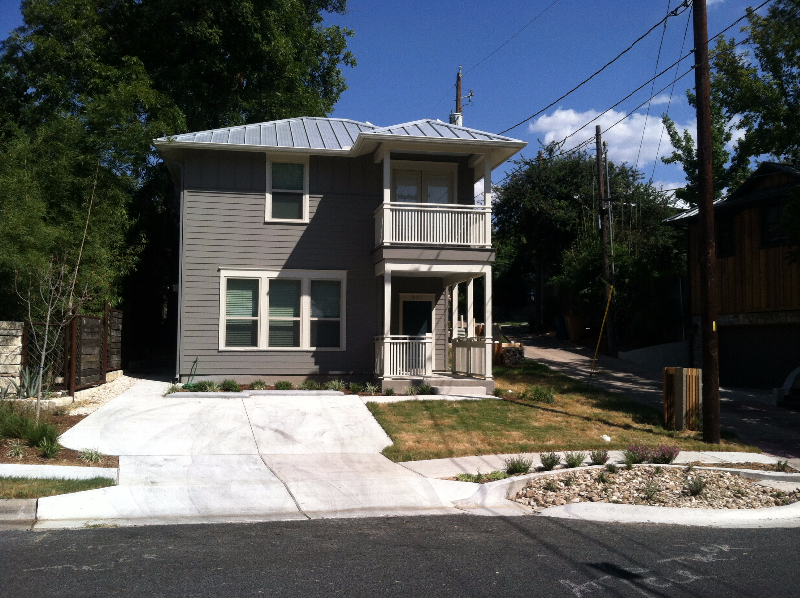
{"x":10,"y":352}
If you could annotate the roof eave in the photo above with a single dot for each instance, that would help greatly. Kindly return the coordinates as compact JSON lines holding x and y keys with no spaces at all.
{"x":171,"y":145}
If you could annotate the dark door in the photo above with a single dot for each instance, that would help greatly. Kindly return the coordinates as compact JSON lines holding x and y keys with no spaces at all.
{"x":417,"y":318}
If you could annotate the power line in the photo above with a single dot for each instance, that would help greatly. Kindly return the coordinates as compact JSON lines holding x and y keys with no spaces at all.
{"x":658,"y":61}
{"x":500,"y":47}
{"x":684,"y":5}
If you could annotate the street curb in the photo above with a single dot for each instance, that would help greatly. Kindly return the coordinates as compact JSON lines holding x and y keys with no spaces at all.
{"x":17,"y":513}
{"x":494,"y":499}
{"x":54,"y":472}
{"x":244,"y":394}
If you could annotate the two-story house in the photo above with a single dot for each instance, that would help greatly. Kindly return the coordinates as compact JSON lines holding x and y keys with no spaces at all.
{"x":329,"y":248}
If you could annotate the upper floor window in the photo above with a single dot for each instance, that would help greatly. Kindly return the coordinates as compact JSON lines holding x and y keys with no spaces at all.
{"x":424,"y":182}
{"x":287,"y":190}
{"x":772,"y":225}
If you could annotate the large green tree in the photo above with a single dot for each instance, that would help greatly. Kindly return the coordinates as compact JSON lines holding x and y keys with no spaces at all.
{"x":546,"y":236}
{"x":85,"y":85}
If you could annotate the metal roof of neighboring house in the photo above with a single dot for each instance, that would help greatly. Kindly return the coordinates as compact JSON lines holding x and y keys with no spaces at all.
{"x":751,"y":190}
{"x":304,"y":132}
{"x":437,"y":129}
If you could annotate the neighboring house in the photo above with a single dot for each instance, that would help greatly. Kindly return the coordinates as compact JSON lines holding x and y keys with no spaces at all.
{"x":329,"y":248}
{"x":759,"y":288}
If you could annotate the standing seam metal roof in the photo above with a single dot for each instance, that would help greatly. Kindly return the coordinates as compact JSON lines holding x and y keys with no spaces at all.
{"x":329,"y":133}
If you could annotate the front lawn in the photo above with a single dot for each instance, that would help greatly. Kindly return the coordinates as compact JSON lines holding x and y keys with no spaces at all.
{"x":14,"y":487}
{"x":580,"y":415}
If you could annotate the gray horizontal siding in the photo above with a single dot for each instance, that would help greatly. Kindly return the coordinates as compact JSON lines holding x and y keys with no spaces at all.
{"x":224,"y":228}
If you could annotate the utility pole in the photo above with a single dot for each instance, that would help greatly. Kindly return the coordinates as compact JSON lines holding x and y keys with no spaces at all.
{"x":603,"y":227}
{"x":705,"y":205}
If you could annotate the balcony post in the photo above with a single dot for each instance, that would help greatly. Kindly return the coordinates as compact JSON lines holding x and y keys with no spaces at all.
{"x":488,"y":321}
{"x":487,"y":196}
{"x":387,"y":198}
{"x":454,"y":332}
{"x":471,"y":308}
{"x":387,"y":320}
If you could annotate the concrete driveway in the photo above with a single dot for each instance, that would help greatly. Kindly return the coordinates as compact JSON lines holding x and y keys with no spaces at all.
{"x":241,"y":459}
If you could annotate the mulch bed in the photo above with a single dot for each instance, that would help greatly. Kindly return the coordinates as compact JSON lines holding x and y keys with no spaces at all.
{"x":31,"y":456}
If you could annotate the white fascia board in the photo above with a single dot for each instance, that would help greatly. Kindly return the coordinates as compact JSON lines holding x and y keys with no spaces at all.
{"x":264,"y":149}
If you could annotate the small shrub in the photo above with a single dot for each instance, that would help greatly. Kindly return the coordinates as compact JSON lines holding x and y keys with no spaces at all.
{"x":539,"y":394}
{"x":599,"y":457}
{"x":410,"y":390}
{"x":388,"y":392}
{"x":336,"y":385}
{"x":258,"y":385}
{"x":48,"y":449}
{"x":664,"y":453}
{"x":173,"y":389}
{"x":424,"y":389}
{"x":695,"y":486}
{"x":90,"y":456}
{"x":310,"y":385}
{"x":550,"y":486}
{"x":638,"y":454}
{"x":371,"y":388}
{"x":356,"y":388}
{"x":689,"y":468}
{"x":283,"y":385}
{"x":570,"y":480}
{"x":550,"y":460}
{"x":574,"y":458}
{"x":611,"y":468}
{"x":650,"y":491}
{"x":602,"y":478}
{"x":629,"y":462}
{"x":16,"y":450}
{"x":499,"y":392}
{"x":517,"y":465}
{"x":203,"y":386}
{"x":230,"y":386}
{"x":782,"y":466}
{"x":38,"y":433}
{"x":480,"y":478}
{"x":658,"y":471}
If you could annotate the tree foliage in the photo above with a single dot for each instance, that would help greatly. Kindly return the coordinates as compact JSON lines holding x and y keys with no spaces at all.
{"x":546,"y":229}
{"x":85,"y":85}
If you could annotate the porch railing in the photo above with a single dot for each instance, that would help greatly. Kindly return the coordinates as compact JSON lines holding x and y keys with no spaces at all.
{"x":398,"y":355}
{"x":433,"y":224}
{"x":469,"y":356}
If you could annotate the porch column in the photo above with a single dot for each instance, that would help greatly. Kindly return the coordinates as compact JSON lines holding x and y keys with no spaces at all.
{"x":454,"y":333}
{"x":387,"y":320}
{"x":488,"y":320}
{"x":387,"y":198}
{"x":471,"y":308}
{"x":487,"y":193}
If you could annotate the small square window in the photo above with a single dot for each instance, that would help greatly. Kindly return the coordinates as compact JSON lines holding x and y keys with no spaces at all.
{"x":772,"y":221}
{"x":287,"y":194}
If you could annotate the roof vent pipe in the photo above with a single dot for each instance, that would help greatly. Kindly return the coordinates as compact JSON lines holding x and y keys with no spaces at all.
{"x":456,"y":118}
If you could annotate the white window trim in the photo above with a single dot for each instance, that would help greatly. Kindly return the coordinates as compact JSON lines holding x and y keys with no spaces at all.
{"x":436,"y":168}
{"x":305,"y":277}
{"x":287,"y":159}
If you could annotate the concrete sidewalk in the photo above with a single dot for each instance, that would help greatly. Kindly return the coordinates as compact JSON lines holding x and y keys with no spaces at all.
{"x":241,"y":458}
{"x":774,"y":430}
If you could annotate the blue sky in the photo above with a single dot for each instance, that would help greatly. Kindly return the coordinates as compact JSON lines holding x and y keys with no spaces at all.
{"x":408,"y":54}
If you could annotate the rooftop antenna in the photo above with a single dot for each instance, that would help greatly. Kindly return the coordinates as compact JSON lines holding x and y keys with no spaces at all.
{"x":456,"y":118}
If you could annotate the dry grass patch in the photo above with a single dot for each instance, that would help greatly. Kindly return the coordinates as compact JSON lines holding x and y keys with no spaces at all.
{"x":14,"y":487}
{"x":580,"y":415}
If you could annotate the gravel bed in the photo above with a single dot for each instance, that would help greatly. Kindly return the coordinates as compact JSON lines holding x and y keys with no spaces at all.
{"x":649,"y":485}
{"x":99,"y":396}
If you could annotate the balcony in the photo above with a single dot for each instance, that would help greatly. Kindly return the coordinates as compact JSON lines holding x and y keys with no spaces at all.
{"x":403,"y":356}
{"x":433,"y":224}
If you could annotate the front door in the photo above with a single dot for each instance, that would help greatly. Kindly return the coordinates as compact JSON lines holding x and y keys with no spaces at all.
{"x":417,"y":320}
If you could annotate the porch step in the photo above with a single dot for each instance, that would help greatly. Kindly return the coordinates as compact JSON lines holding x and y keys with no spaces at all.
{"x":459,"y":390}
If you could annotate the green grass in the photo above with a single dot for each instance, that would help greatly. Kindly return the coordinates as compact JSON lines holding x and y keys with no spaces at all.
{"x":580,"y":415}
{"x":13,"y":487}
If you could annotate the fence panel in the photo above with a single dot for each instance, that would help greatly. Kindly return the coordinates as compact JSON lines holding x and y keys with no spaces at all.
{"x":114,"y":347}
{"x":89,"y":352}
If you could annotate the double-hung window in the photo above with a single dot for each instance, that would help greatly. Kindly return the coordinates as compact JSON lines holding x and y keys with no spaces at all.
{"x":424,"y":182}
{"x":287,"y":190}
{"x":302,"y":310}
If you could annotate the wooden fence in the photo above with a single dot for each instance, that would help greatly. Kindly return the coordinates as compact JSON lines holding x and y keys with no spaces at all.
{"x":89,"y":348}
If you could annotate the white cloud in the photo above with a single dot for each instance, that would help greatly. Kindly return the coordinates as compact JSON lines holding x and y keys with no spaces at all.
{"x":478,"y":190}
{"x":664,"y":99}
{"x":623,"y":139}
{"x":712,"y":2}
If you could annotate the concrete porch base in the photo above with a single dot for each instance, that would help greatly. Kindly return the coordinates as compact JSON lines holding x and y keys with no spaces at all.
{"x":442,"y":384}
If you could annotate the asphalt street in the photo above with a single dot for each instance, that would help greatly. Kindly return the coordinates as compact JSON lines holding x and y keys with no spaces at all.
{"x":460,"y":556}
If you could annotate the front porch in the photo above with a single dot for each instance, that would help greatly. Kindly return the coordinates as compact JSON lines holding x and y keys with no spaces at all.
{"x":426,"y":340}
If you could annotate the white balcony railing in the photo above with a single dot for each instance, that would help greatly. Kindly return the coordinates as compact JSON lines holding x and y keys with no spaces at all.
{"x":469,"y":356}
{"x":398,"y":355}
{"x":433,"y":224}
